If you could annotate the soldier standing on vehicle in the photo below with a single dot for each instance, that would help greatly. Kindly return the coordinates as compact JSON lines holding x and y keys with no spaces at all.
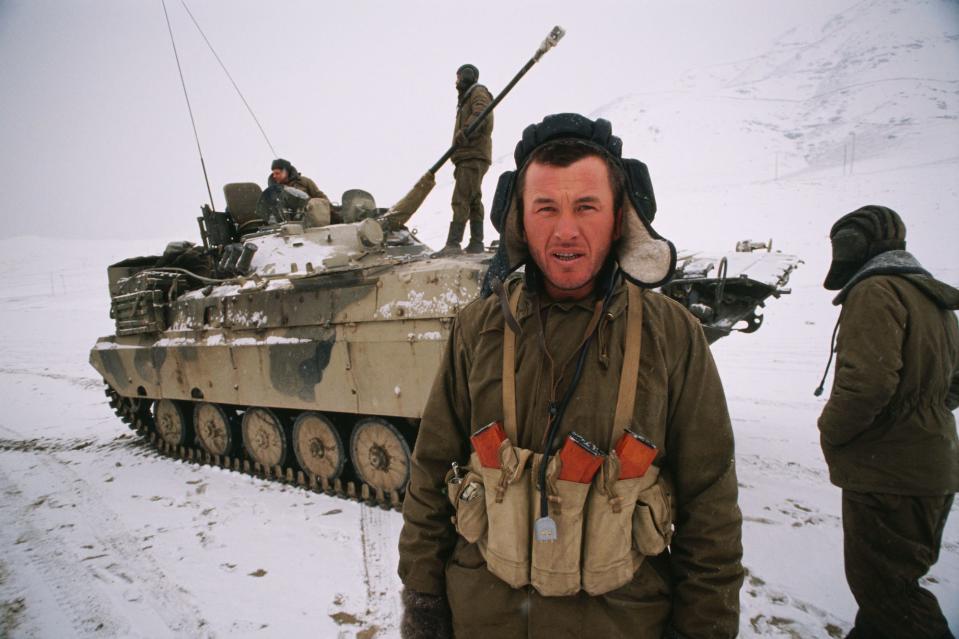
{"x":471,"y":158}
{"x":620,"y":548}
{"x":887,"y":432}
{"x":285,"y":174}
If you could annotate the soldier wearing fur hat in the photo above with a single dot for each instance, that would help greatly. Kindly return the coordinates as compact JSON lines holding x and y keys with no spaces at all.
{"x":578,"y":343}
{"x":285,"y":174}
{"x":887,"y":431}
{"x":471,"y":159}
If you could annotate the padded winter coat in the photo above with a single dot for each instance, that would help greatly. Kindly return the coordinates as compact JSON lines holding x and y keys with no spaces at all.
{"x":888,"y":426}
{"x":305,"y":184}
{"x":479,"y":146}
{"x":680,"y":406}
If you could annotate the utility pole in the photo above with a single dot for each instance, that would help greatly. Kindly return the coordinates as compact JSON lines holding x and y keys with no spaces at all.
{"x":852,"y":153}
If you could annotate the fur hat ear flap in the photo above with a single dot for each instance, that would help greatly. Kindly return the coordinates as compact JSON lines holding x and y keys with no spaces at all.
{"x":501,"y":199}
{"x":506,"y":220}
{"x":640,"y":189}
{"x":517,"y":251}
{"x":645,"y":258}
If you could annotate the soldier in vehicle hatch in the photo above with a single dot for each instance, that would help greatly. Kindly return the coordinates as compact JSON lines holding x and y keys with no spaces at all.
{"x":887,"y":431}
{"x":472,"y":159}
{"x":593,"y":406}
{"x":285,"y":174}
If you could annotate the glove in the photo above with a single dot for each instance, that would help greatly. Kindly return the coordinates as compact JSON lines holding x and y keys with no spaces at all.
{"x":425,"y":616}
{"x":460,"y":138}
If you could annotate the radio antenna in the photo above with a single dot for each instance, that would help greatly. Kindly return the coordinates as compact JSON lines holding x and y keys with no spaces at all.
{"x":196,"y":136}
{"x":232,"y":81}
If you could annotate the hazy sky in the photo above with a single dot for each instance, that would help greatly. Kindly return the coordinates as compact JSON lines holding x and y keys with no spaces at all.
{"x":95,"y":139}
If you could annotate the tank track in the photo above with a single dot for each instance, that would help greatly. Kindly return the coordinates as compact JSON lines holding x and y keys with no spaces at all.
{"x":135,"y":413}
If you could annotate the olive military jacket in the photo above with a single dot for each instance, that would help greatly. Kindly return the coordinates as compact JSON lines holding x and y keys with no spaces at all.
{"x":479,"y":146}
{"x":888,"y":426}
{"x":305,"y":184}
{"x":680,"y":406}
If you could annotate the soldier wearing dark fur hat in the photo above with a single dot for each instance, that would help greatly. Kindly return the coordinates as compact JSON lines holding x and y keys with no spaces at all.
{"x":887,"y":431}
{"x":285,"y":174}
{"x":471,"y":159}
{"x":579,"y":343}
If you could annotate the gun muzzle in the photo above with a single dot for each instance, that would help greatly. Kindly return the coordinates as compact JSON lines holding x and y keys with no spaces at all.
{"x":551,"y":41}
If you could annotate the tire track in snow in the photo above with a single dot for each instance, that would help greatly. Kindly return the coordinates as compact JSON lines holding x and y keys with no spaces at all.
{"x":84,"y":609}
{"x":377,"y":539}
{"x":76,"y":380}
{"x":116,"y":560}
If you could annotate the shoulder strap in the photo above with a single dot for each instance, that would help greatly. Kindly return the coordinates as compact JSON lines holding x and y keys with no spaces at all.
{"x":628,"y":377}
{"x":626,"y":397}
{"x":509,"y":370}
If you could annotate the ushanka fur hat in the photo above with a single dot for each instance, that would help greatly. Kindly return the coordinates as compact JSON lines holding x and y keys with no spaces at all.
{"x":858,"y":237}
{"x":644,"y":258}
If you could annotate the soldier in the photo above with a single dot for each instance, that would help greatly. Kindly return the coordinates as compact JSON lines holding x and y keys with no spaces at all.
{"x":472,"y":159}
{"x":579,"y":344}
{"x":285,"y":174}
{"x":887,"y":431}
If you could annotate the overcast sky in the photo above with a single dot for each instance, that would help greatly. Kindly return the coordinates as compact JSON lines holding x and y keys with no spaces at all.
{"x":95,"y":140}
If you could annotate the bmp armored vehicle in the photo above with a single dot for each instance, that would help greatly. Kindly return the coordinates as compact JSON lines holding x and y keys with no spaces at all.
{"x":304,"y":350}
{"x":299,"y":340}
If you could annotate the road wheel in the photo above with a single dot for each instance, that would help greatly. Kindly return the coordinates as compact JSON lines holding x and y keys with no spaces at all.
{"x":264,"y":438}
{"x":215,"y":430}
{"x":172,"y":423}
{"x":317,"y":446}
{"x":380,"y":454}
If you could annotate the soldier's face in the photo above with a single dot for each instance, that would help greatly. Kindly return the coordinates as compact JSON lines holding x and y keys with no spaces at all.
{"x":569,"y":224}
{"x":280,"y":176}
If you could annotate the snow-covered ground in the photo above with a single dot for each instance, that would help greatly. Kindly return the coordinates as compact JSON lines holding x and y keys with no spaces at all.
{"x":103,"y":538}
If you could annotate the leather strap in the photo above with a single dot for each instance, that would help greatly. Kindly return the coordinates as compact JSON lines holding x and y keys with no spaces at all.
{"x":509,"y":371}
{"x":628,"y":377}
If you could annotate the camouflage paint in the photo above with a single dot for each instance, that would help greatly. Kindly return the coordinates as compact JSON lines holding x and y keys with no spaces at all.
{"x":296,"y":369}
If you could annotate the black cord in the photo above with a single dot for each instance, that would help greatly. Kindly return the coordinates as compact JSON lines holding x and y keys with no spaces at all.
{"x":557,"y":412}
{"x":832,"y":351}
{"x":199,"y":278}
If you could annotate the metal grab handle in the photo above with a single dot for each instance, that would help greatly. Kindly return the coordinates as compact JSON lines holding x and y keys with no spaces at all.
{"x":721,"y":275}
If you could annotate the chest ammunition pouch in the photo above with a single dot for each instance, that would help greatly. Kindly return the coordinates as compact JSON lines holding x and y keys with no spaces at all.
{"x":605,"y":529}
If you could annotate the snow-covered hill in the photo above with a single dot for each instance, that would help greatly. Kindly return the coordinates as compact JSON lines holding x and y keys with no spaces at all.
{"x":104,"y":539}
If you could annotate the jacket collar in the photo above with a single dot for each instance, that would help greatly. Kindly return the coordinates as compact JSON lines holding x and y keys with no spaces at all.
{"x":888,"y":263}
{"x":617,"y":302}
{"x":292,"y":175}
{"x":462,"y":97}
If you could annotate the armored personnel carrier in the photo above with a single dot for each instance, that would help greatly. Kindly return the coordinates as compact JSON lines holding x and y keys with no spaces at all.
{"x":302,"y":347}
{"x":299,"y":340}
